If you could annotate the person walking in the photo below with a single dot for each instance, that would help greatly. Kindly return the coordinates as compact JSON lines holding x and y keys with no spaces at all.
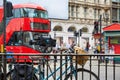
{"x":87,"y":46}
{"x":111,"y":51}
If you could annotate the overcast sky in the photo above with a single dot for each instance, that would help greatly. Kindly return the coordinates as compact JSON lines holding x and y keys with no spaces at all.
{"x":56,"y":8}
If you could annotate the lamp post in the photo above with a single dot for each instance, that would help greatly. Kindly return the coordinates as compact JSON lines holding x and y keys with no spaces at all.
{"x":100,"y":34}
{"x":106,"y":18}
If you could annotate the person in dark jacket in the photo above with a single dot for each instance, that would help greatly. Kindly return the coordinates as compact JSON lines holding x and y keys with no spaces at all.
{"x":87,"y":46}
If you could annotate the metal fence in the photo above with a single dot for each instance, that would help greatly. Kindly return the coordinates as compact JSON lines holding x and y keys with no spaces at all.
{"x":59,"y":66}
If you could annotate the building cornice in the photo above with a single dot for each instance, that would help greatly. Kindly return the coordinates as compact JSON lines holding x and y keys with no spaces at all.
{"x":90,"y":4}
{"x":80,"y":21}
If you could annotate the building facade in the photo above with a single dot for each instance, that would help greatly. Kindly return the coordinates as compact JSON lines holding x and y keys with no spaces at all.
{"x":82,"y":15}
{"x":115,"y":10}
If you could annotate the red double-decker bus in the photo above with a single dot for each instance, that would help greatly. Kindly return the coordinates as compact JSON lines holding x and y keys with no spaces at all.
{"x":27,"y":21}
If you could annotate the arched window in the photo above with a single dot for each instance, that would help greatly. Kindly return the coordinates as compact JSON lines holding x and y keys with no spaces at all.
{"x":84,"y":29}
{"x":57,"y":28}
{"x":71,"y":29}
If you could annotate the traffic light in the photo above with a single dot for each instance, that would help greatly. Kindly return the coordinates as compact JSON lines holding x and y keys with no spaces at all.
{"x":79,"y":33}
{"x":9,"y":8}
{"x":75,"y":33}
{"x":96,"y":26}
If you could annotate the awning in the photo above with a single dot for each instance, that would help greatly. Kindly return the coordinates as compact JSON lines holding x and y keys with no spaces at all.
{"x":113,"y":27}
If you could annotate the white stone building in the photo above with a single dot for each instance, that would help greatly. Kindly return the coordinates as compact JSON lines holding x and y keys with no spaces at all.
{"x":82,"y":15}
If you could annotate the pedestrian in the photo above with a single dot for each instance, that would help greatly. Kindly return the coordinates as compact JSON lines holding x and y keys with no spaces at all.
{"x":68,"y":45}
{"x":87,"y":46}
{"x":73,"y":44}
{"x":111,"y":51}
{"x":95,"y":50}
{"x":98,"y":48}
{"x":55,"y":51}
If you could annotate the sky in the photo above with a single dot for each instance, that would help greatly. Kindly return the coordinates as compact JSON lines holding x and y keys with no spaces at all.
{"x":56,"y":8}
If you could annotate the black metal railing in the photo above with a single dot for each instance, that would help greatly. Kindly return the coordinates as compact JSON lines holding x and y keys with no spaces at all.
{"x":60,"y":66}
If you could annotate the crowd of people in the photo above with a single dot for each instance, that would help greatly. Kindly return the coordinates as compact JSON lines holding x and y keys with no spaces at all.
{"x":69,"y":45}
{"x":63,"y":47}
{"x":96,"y":49}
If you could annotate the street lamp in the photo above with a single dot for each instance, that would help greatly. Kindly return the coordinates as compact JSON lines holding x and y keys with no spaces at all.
{"x":106,"y":18}
{"x":100,"y":33}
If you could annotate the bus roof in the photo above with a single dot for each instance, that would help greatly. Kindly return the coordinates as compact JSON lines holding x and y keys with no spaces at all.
{"x":29,"y":6}
{"x":22,"y":6}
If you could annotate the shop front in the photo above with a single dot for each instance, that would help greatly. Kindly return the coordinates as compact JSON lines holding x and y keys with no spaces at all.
{"x":112,"y":38}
